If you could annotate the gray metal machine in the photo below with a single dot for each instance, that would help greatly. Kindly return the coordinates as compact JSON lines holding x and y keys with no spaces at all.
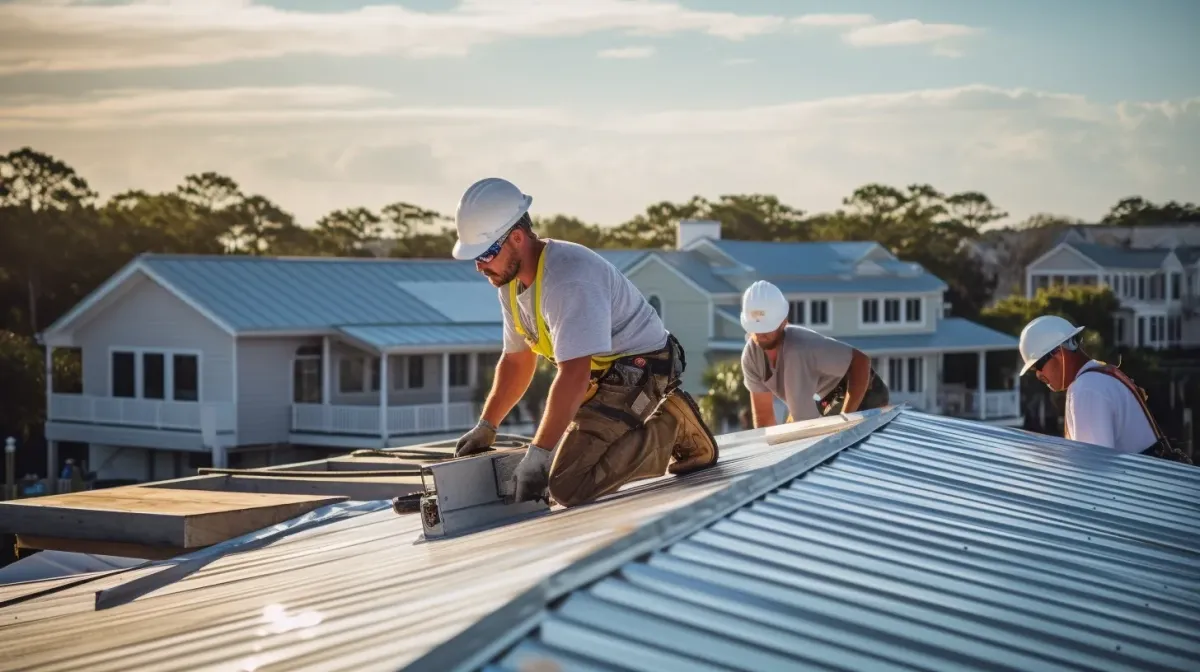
{"x":471,"y":493}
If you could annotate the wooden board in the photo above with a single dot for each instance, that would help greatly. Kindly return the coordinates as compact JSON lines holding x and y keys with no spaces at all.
{"x":154,"y":516}
{"x":367,"y":488}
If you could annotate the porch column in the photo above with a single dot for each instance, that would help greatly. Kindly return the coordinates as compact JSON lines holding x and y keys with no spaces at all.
{"x":51,"y":446}
{"x":446,"y":391}
{"x":982,"y":385}
{"x":383,"y":397}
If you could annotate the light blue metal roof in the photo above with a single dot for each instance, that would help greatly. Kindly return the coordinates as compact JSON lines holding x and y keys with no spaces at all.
{"x":696,"y":267}
{"x":953,"y":333}
{"x":270,"y":293}
{"x":931,"y":544}
{"x":390,"y":338}
{"x":873,"y":284}
{"x":622,"y":258}
{"x":1114,"y":257}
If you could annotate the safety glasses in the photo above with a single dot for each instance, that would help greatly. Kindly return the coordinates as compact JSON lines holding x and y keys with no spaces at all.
{"x":490,"y":253}
{"x":1037,"y":366}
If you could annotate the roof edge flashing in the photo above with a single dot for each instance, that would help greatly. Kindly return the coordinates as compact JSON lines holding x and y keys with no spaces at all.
{"x":490,"y":636}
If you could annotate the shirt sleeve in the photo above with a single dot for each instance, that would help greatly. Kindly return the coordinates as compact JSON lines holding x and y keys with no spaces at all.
{"x":512,"y":340}
{"x":579,"y":317}
{"x":1091,"y":418}
{"x":752,"y":375}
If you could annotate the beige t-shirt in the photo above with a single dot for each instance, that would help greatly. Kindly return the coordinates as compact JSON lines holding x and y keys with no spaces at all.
{"x":808,"y":363}
{"x":589,"y":306}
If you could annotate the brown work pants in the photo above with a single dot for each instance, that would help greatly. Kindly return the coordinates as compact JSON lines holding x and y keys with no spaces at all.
{"x":607,"y":445}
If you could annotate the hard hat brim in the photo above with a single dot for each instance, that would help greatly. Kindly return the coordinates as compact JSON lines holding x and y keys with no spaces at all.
{"x":1033,"y":360}
{"x":464,"y":251}
{"x":757,"y":327}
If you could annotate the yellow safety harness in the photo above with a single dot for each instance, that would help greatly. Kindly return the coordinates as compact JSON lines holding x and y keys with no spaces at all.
{"x":542,"y":345}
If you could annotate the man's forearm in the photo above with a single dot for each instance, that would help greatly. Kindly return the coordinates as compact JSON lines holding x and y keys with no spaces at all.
{"x":762,"y":410}
{"x":566,"y":396}
{"x":859,"y":376}
{"x":513,"y":374}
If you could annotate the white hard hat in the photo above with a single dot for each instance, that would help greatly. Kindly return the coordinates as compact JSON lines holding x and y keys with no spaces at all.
{"x":1042,"y":336}
{"x":764,"y":308}
{"x":486,"y":210}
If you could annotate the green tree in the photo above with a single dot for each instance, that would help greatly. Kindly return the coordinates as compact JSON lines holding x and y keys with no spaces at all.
{"x":1091,"y":307}
{"x":727,"y":396}
{"x":23,"y":395}
{"x":1137,"y":211}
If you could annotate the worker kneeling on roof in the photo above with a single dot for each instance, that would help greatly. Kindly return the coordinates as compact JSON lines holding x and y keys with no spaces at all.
{"x":1107,"y":409}
{"x":615,"y":401}
{"x":798,"y":365}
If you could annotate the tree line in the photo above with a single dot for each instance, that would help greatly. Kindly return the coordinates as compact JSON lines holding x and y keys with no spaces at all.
{"x":59,"y":240}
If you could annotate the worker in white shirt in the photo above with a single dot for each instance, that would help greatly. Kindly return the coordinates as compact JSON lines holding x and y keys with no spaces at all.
{"x":1107,"y":409}
{"x":799,"y":365}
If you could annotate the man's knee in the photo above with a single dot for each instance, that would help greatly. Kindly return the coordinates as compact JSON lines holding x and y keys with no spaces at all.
{"x":569,"y":490}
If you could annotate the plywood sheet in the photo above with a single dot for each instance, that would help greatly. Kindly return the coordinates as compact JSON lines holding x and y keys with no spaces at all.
{"x":154,"y":516}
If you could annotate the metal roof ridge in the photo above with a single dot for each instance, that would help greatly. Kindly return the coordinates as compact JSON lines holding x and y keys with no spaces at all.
{"x":479,"y":643}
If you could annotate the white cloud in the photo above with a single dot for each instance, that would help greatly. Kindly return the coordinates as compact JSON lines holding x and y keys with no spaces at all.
{"x":833,"y":19}
{"x":626,"y":53}
{"x":36,"y":35}
{"x":313,"y":150}
{"x":907,"y":32}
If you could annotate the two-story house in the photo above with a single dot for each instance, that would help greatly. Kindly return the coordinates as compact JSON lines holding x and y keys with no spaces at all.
{"x":1158,"y":286}
{"x":857,"y":292}
{"x":187,"y":357}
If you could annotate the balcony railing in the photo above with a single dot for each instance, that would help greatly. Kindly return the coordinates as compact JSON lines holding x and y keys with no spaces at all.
{"x":148,"y":413}
{"x":364,"y":420}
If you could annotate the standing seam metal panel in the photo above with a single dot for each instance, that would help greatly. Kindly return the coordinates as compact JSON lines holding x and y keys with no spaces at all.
{"x":930,"y":545}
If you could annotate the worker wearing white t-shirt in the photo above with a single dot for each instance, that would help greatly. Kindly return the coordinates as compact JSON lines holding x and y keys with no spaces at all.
{"x":1104,"y":406}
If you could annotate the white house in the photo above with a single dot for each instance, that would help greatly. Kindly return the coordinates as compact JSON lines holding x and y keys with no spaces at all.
{"x":1158,"y":286}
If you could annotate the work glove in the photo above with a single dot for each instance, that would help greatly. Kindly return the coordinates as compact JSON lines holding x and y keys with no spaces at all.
{"x":478,"y":440}
{"x":532,"y":474}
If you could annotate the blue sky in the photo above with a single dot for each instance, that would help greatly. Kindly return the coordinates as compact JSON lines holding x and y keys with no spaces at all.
{"x":600,"y":107}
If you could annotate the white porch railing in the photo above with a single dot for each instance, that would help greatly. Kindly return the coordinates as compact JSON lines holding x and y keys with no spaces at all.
{"x":364,"y":420}
{"x":149,"y":413}
{"x":916,"y":400}
{"x":996,"y":404}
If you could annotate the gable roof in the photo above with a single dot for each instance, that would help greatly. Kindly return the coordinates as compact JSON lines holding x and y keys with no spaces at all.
{"x":1120,"y":257}
{"x":906,"y":540}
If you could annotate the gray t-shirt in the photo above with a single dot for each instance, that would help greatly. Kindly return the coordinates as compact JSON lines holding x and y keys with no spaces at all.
{"x":808,"y":363}
{"x":589,"y":307}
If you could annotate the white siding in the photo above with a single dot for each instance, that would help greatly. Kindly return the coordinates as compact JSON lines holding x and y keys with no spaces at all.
{"x":685,"y":314}
{"x":148,"y":316}
{"x":265,"y":388}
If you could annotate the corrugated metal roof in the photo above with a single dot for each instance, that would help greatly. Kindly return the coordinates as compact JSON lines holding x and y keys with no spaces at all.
{"x":953,"y":333}
{"x":814,"y":258}
{"x":392,"y":337}
{"x":268,"y":293}
{"x":365,"y":593}
{"x":698,"y":269}
{"x":861,"y":284}
{"x":622,"y":259}
{"x":933,"y":544}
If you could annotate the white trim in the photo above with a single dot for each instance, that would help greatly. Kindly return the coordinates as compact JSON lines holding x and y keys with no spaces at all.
{"x":709,"y":242}
{"x":680,"y":274}
{"x":234,"y":391}
{"x":168,"y":372}
{"x":808,"y":301}
{"x":903,"y":323}
{"x":1067,"y":246}
{"x":712,"y":321}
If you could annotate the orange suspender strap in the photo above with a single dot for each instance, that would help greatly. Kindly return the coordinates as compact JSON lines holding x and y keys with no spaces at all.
{"x":1110,"y":370}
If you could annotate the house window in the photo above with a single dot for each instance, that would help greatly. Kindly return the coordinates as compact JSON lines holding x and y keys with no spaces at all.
{"x":819,"y":312}
{"x":185,"y":377}
{"x":1176,"y":286}
{"x":460,"y":370}
{"x":896,"y":374}
{"x":796,"y":312}
{"x":1119,"y":329}
{"x":656,"y":304}
{"x":416,"y":372}
{"x":124,"y":375}
{"x":1141,"y":288}
{"x":891,"y":310}
{"x":353,"y":373}
{"x":870,"y":311}
{"x":306,"y":375}
{"x":912,"y":310}
{"x":916,"y":374}
{"x":154,"y":375}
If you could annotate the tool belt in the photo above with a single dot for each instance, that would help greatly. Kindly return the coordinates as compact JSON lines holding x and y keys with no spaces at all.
{"x":640,"y":374}
{"x":832,"y":403}
{"x":1162,"y":447}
